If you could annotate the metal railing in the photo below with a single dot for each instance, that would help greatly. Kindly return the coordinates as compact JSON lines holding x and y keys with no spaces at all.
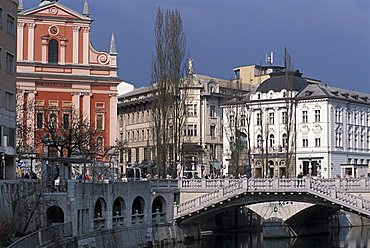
{"x":44,"y":236}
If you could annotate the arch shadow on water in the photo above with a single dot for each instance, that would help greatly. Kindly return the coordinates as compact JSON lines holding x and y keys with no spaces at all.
{"x":343,"y":237}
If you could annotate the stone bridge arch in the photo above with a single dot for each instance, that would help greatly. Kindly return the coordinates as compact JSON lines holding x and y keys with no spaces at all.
{"x":100,"y":213}
{"x":119,"y":212}
{"x":54,"y":214}
{"x":159,"y":210}
{"x":250,"y":199}
{"x":138,"y":210}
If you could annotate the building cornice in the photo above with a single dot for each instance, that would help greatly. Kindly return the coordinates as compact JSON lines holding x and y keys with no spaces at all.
{"x":43,"y":77}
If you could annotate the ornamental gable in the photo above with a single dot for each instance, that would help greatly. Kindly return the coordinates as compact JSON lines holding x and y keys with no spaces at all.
{"x":54,"y":10}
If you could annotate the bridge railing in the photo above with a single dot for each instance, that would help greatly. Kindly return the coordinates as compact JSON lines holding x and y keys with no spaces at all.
{"x":44,"y":236}
{"x":206,"y":183}
{"x":344,"y":183}
{"x":324,"y":188}
{"x":164,"y":183}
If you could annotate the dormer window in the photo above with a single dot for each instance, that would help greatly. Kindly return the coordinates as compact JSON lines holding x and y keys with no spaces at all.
{"x":308,"y":93}
{"x":53,"y":51}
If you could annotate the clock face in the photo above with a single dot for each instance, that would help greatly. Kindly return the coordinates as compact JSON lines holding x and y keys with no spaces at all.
{"x":53,"y":30}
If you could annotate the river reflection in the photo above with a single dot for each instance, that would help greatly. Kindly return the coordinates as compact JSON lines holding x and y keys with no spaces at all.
{"x":356,"y":237}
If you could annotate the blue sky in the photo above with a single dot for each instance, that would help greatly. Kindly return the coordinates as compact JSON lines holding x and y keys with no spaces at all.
{"x":328,"y":40}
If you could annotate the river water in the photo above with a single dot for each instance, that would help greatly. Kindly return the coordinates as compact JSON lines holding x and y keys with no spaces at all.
{"x":355,"y":237}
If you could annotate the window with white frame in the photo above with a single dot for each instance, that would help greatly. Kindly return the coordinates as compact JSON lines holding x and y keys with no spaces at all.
{"x":362,"y":141}
{"x":272,"y":140}
{"x":212,"y":111}
{"x":304,"y":116}
{"x":212,"y":130}
{"x":232,"y":120}
{"x":258,"y":119}
{"x":305,"y":142}
{"x":349,"y":145}
{"x":271,"y":118}
{"x":242,"y":120}
{"x":355,"y":144}
{"x":349,"y":118}
{"x":338,"y":115}
{"x":259,"y":141}
{"x":338,"y":139}
{"x":191,"y":110}
{"x":53,"y":51}
{"x":191,"y":130}
{"x":99,"y":121}
{"x":317,"y":115}
{"x":317,"y":142}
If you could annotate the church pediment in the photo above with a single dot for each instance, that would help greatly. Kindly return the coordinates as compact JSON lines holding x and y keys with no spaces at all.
{"x":54,"y":10}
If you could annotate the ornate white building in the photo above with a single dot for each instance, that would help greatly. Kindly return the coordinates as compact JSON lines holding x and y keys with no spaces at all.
{"x":321,"y":130}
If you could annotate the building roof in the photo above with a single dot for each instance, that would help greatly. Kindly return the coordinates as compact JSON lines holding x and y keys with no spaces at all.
{"x":321,"y":90}
{"x":279,"y":81}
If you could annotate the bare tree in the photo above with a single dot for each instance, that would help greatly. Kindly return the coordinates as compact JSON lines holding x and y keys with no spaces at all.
{"x":25,"y":133}
{"x":290,"y":122}
{"x":168,"y":85}
{"x":28,"y":204}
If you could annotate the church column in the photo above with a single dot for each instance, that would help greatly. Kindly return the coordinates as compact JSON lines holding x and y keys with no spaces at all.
{"x":31,"y":40}
{"x":44,"y":49}
{"x":20,"y":41}
{"x":86,"y":45}
{"x":75,"y":44}
{"x":62,"y":52}
{"x":76,"y":104}
{"x":113,"y":118}
{"x":86,"y":105}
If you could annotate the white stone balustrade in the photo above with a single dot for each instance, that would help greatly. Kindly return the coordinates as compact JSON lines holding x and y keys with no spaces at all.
{"x":331,"y":190}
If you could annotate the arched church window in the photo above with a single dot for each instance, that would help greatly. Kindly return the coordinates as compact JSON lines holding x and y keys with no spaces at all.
{"x":53,"y":51}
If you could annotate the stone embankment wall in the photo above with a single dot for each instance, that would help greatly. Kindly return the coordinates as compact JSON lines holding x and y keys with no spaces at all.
{"x":132,"y":237}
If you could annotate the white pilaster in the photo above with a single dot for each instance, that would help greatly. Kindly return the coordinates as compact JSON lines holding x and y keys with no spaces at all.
{"x":44,"y":49}
{"x":86,"y":106}
{"x":20,"y":37}
{"x":31,"y":40}
{"x":76,"y":103}
{"x":75,"y":44}
{"x":86,"y":45}
{"x":113,"y":118}
{"x":62,"y":52}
